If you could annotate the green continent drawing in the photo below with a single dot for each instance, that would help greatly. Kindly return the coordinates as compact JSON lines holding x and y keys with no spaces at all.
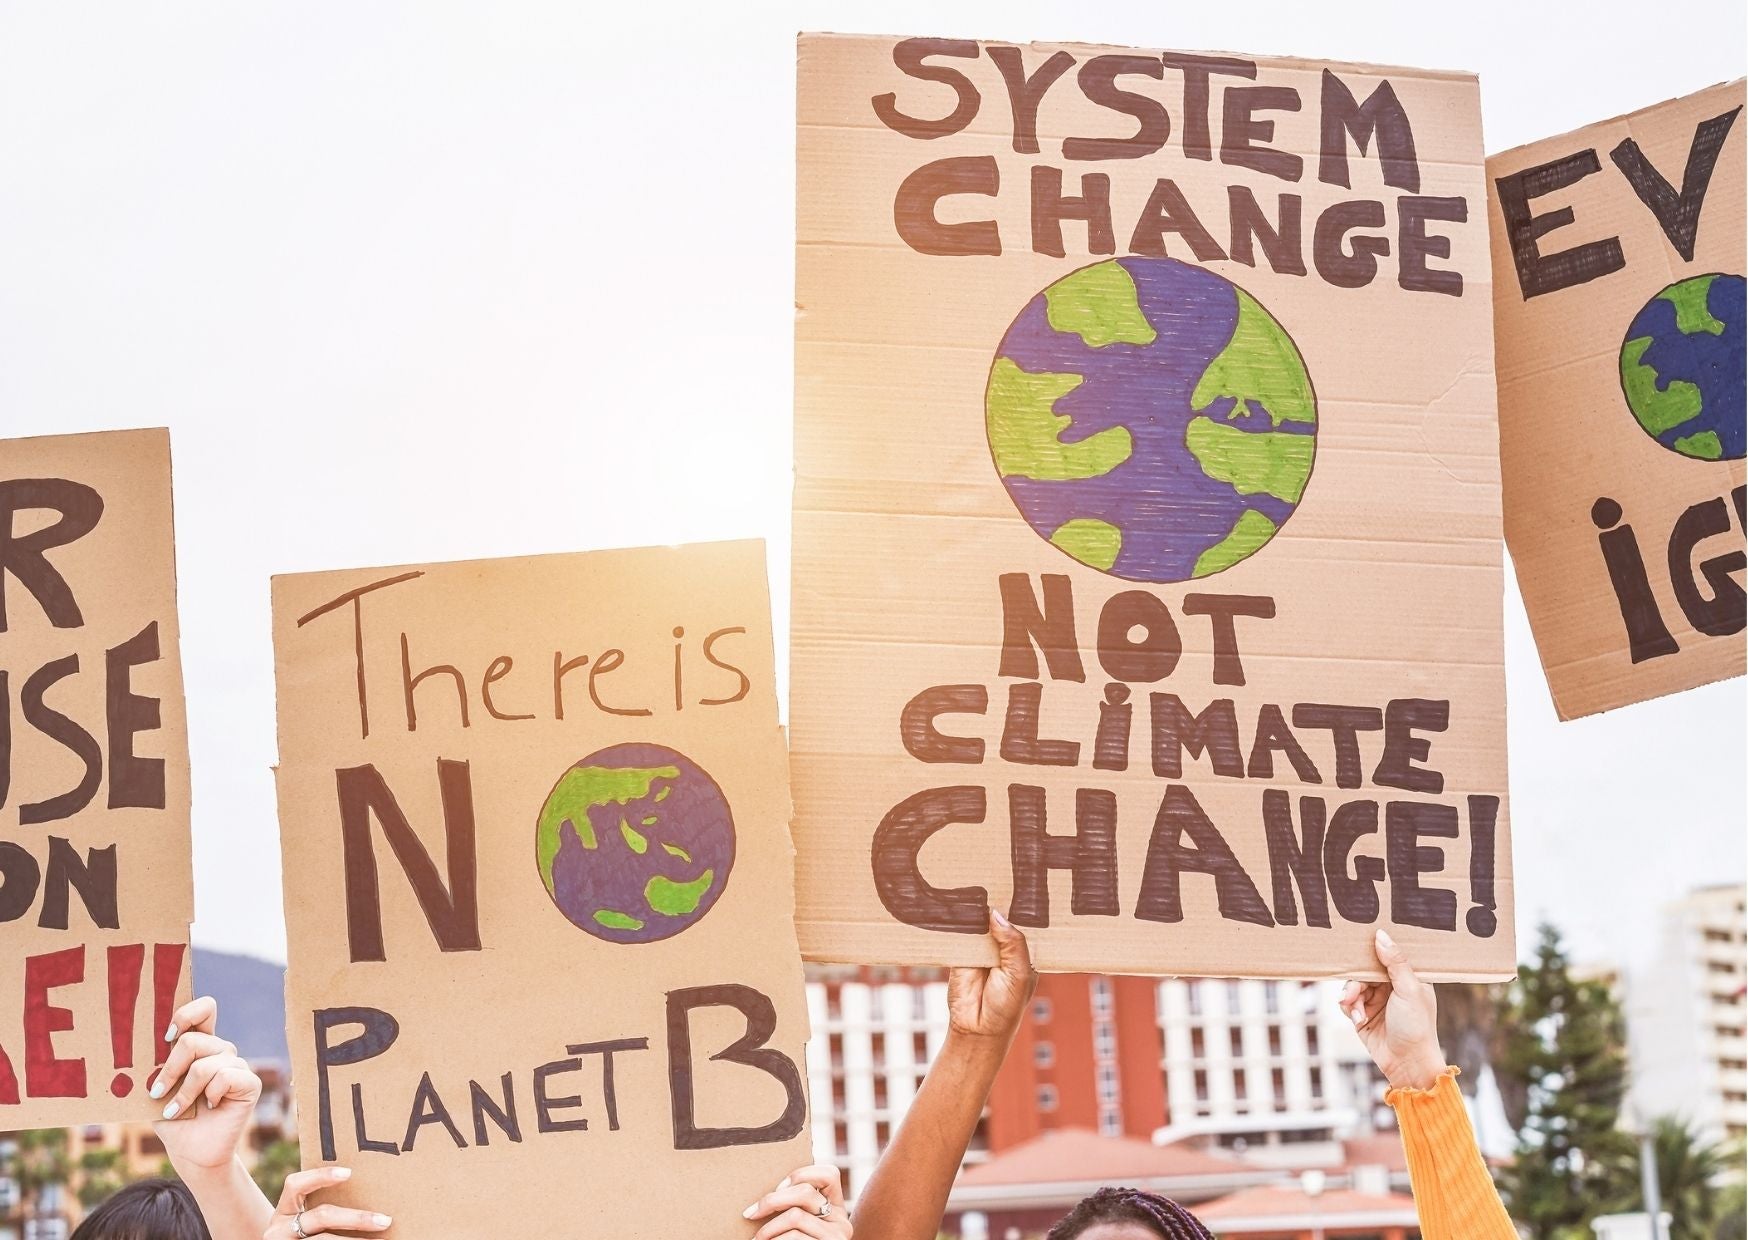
{"x":1151,"y":419}
{"x":634,"y":843}
{"x":1681,"y":367}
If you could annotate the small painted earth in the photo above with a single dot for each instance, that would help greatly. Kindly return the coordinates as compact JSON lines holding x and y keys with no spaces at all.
{"x":1682,"y":368}
{"x":635,"y":843}
{"x":1151,"y":419}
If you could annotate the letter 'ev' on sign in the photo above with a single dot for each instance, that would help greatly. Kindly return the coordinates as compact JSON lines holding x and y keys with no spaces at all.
{"x":1147,"y":576}
{"x":1618,"y":306}
{"x":538,"y":891}
{"x":96,"y":886}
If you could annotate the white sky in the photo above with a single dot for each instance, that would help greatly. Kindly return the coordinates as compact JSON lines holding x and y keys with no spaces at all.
{"x":428,"y":281}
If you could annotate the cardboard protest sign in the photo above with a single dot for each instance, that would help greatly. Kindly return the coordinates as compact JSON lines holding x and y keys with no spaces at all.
{"x":539,"y":890}
{"x":1618,"y":310}
{"x":96,"y":889}
{"x":1147,"y":570}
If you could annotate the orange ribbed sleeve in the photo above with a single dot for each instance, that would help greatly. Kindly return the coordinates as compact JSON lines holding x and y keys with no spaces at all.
{"x":1453,"y":1192}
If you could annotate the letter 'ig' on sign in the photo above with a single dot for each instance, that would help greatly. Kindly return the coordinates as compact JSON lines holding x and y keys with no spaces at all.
{"x":1618,"y":305}
{"x":1148,"y":571}
{"x":95,"y":878}
{"x":538,"y":890}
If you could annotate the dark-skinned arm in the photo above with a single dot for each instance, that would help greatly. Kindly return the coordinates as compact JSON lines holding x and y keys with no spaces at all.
{"x":907,"y":1194}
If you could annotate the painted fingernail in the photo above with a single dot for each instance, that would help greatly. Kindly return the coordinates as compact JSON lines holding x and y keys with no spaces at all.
{"x":787,"y":1181}
{"x":157,"y":1090}
{"x":170,"y":1111}
{"x":1384,"y":939}
{"x":341,"y":1173}
{"x":170,"y":1034}
{"x":749,"y":1211}
{"x":999,"y":919}
{"x":382,"y":1220}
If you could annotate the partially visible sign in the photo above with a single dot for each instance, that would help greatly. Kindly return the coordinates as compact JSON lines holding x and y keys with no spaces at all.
{"x":96,"y":885}
{"x":539,"y":891}
{"x":1618,"y":301}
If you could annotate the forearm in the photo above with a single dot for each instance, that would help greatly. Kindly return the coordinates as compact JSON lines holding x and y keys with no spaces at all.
{"x":233,"y":1207}
{"x":907,"y":1194}
{"x":1453,"y":1191}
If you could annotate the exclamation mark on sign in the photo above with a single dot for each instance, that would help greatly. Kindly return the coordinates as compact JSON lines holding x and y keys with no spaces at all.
{"x":1483,"y":816}
{"x":166,"y":975}
{"x":124,"y":993}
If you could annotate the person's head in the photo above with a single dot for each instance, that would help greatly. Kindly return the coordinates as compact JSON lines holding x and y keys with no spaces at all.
{"x":146,"y":1210}
{"x":1129,"y":1214}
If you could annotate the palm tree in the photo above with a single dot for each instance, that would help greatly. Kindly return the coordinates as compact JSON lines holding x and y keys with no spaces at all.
{"x":1689,"y":1171}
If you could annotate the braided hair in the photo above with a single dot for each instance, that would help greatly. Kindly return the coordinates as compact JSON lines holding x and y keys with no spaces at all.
{"x":1131,"y":1205}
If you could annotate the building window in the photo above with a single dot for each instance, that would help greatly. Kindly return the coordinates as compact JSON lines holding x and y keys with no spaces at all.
{"x":1236,"y":1038}
{"x":1233,"y":993}
{"x":1311,"y":1039}
{"x":1110,"y":1124}
{"x":1104,"y":1041}
{"x":1193,"y":996}
{"x":1275,"y":1041}
{"x":1201,"y":1084}
{"x":1101,"y":996}
{"x":1271,"y":995}
{"x":1041,"y":1011}
{"x":1046,"y":1097}
{"x":1198,"y":1046}
{"x":1316,"y":1082}
{"x":1044,"y":1054}
{"x":1240,"y":1085}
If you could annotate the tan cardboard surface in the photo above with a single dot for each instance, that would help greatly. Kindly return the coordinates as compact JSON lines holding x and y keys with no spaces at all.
{"x":616,"y":791}
{"x":1385,"y":578}
{"x":1626,"y":531}
{"x":96,"y":891}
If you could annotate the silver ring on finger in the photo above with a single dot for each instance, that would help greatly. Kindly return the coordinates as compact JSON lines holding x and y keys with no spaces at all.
{"x":297,"y":1226}
{"x":825,"y":1209}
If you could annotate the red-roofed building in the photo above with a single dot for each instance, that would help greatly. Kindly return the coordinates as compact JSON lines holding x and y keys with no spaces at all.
{"x":1288,"y":1212}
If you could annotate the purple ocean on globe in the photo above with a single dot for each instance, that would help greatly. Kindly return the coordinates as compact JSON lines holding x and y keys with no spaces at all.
{"x":635,"y":843}
{"x":1151,"y":419}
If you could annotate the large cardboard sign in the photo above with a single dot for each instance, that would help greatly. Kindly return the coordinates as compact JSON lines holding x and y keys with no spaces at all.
{"x":96,"y":889}
{"x":1147,"y":538}
{"x":1618,"y":303}
{"x":538,"y":891}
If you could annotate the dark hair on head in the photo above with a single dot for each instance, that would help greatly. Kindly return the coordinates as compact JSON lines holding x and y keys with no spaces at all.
{"x":1131,"y":1205}
{"x":146,"y":1210}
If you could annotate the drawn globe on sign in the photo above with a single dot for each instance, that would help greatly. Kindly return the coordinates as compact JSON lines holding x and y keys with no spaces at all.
{"x":1151,"y":419}
{"x":635,"y":843}
{"x":1682,"y":368}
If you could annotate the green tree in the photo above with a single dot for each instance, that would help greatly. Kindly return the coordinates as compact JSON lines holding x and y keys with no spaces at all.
{"x":1732,"y":1214}
{"x":1688,"y":1174}
{"x":1563,"y":1045}
{"x":99,"y":1174}
{"x":277,"y":1161}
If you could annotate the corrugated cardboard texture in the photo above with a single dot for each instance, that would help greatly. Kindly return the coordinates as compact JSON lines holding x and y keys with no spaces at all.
{"x":600,"y":909}
{"x":1627,"y":543}
{"x":1385,"y":582}
{"x":96,"y":888}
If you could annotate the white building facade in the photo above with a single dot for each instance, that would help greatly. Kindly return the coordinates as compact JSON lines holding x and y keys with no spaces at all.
{"x":1687,"y":1018}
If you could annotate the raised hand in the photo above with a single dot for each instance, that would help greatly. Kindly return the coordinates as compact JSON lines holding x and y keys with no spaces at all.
{"x":295,"y":1218}
{"x":211,"y":1091}
{"x":808,"y":1205}
{"x":991,"y":1002}
{"x":1397,"y":1020}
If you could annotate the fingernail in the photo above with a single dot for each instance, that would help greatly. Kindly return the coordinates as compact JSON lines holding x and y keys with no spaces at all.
{"x":1357,"y":1015}
{"x":1384,"y":939}
{"x":382,"y":1220}
{"x":170,"y":1034}
{"x":157,"y":1089}
{"x":787,"y":1181}
{"x":170,"y":1111}
{"x":749,"y":1211}
{"x":999,"y":919}
{"x":341,"y":1173}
